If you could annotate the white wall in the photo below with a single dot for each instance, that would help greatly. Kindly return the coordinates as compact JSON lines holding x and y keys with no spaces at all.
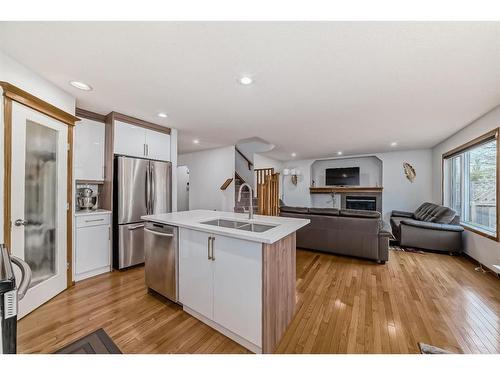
{"x":241,"y":166}
{"x":478,"y":247}
{"x":261,"y":161}
{"x":398,"y":193}
{"x":370,"y":169}
{"x":207,"y":172}
{"x":182,"y":188}
{"x":173,"y":160}
{"x":298,"y":195}
{"x":13,"y":72}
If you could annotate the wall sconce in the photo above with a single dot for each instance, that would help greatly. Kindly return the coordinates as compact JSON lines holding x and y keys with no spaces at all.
{"x":293,"y":172}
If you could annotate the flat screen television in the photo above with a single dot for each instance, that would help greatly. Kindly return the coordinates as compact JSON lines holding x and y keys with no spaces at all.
{"x":342,"y":176}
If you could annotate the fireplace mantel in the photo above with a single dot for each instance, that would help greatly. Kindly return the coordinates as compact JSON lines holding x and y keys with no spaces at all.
{"x":344,"y":189}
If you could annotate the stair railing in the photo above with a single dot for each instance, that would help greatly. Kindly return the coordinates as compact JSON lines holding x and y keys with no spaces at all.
{"x":268,"y":188}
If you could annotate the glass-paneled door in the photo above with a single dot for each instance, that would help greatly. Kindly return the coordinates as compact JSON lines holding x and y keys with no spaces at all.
{"x":39,"y":202}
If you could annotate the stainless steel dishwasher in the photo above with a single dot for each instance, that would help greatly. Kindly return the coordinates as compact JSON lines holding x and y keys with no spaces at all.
{"x":161,"y":259}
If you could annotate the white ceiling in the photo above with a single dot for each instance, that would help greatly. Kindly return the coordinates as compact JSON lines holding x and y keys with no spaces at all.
{"x":319,"y":87}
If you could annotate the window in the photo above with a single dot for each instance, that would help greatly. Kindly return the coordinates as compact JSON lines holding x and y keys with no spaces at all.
{"x":470,"y":184}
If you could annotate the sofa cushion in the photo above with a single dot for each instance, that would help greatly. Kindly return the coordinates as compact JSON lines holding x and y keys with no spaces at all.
{"x":361,"y":213}
{"x":324,"y":211}
{"x":431,"y":212}
{"x":432,"y":225}
{"x":297,"y":210}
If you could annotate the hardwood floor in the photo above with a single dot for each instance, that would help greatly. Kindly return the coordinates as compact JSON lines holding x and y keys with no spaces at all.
{"x":344,"y":306}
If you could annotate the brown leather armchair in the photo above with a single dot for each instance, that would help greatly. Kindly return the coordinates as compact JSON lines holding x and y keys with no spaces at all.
{"x":430,"y":227}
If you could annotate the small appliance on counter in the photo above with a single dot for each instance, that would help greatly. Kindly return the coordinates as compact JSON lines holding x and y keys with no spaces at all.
{"x":86,"y":199}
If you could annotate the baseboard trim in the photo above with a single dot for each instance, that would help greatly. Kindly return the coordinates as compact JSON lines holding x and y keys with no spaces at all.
{"x":233,"y":336}
{"x":489,"y":268}
{"x":89,"y":274}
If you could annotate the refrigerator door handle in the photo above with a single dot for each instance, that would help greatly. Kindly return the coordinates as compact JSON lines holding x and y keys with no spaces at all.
{"x":147,"y":191}
{"x":153,"y":192}
{"x":150,"y":168}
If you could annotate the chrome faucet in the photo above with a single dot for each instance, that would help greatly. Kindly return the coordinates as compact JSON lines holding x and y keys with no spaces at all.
{"x":250,"y":212}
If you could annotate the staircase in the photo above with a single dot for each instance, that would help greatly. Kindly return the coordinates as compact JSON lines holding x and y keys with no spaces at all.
{"x":245,"y":197}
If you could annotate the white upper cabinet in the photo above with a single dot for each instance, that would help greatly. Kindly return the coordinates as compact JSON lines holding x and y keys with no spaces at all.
{"x":136,"y":141}
{"x":129,"y":140}
{"x":89,"y":150}
{"x":158,"y":145}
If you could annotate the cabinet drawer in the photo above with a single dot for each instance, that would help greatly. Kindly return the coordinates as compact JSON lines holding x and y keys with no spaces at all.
{"x":92,"y":220}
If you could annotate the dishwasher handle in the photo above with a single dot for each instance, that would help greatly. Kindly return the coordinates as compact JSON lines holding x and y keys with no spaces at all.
{"x":158,"y":233}
{"x":136,"y":227}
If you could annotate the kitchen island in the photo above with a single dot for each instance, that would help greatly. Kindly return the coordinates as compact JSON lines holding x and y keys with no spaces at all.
{"x":237,"y":275}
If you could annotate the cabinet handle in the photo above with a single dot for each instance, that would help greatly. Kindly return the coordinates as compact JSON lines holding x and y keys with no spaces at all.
{"x":208,"y":247}
{"x":147,"y":149}
{"x":213,"y":256}
{"x":91,"y":221}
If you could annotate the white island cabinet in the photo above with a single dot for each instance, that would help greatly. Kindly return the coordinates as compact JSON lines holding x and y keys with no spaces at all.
{"x":225,"y":285}
{"x":239,"y":282}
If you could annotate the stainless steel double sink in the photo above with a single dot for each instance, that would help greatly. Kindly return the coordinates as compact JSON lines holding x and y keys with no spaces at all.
{"x":240,"y":225}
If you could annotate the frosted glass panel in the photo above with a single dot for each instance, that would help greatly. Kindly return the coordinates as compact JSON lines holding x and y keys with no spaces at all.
{"x":40,"y":201}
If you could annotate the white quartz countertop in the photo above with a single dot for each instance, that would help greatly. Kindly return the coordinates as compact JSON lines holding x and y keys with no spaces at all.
{"x":91,"y":212}
{"x":192,"y":220}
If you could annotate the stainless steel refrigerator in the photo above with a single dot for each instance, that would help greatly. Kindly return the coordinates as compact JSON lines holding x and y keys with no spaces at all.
{"x":140,"y":187}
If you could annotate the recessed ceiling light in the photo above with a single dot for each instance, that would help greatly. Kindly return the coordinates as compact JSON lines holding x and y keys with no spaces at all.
{"x":339,"y":153}
{"x":80,"y":85}
{"x":162,"y":115}
{"x":294,"y":154}
{"x":196,"y":141}
{"x":394,"y":144}
{"x":246,"y":80}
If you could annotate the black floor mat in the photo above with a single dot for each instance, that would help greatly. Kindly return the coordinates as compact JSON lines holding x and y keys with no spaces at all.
{"x":97,"y":342}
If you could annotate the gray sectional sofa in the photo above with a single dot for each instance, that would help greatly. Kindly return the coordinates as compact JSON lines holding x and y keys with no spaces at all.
{"x":348,"y":232}
{"x":430,"y":227}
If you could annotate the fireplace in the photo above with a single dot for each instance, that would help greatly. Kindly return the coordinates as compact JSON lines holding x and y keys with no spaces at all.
{"x":361,"y":203}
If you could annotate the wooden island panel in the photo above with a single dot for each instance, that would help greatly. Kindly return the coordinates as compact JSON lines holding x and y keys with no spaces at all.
{"x":278,"y":290}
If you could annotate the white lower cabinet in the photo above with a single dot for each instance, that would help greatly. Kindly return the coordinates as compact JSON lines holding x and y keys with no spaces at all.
{"x":195,"y":272}
{"x":227,"y":289}
{"x":92,"y":246}
{"x":237,"y":287}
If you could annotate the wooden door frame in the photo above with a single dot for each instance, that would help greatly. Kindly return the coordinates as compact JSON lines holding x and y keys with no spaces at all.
{"x":11,"y":94}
